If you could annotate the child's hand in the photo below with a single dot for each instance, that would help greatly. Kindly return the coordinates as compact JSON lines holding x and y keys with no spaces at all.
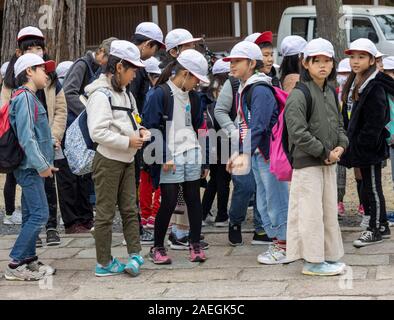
{"x":333,"y":158}
{"x":241,"y":164}
{"x":136,"y":142}
{"x":48,"y":172}
{"x":204,"y":173}
{"x":145,"y":135}
{"x":57,"y":145}
{"x":170,"y":165}
{"x":339,"y":151}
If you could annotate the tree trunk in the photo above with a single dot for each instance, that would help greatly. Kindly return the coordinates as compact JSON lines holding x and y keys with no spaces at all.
{"x":330,"y":26}
{"x":61,"y":21}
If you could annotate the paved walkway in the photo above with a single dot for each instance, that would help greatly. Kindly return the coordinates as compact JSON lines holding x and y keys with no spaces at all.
{"x":229,"y":273}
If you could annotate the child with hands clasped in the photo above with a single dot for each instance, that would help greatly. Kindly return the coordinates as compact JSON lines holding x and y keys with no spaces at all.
{"x":316,"y":142}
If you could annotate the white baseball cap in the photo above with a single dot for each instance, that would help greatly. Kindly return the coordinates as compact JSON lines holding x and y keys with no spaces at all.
{"x":195,"y":62}
{"x":292,"y":45}
{"x":245,"y":50}
{"x":319,"y":47}
{"x":63,"y":68}
{"x":127,"y":51}
{"x":150,"y":30}
{"x":30,"y":32}
{"x":31,"y":60}
{"x":362,"y":44}
{"x":152,"y":65}
{"x":344,"y":66}
{"x":178,"y":37}
{"x":4,"y":68}
{"x":221,"y":66}
{"x":388,"y":63}
{"x":380,"y":55}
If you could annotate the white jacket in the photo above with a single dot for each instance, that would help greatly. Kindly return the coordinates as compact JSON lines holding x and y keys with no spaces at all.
{"x":110,"y":129}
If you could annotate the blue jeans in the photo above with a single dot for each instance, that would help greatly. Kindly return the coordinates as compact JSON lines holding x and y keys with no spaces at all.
{"x":35,"y":213}
{"x":244,"y":189}
{"x":272,"y":199}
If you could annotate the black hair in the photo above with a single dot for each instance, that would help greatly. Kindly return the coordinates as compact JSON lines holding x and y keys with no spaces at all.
{"x":305,"y":76}
{"x":172,"y":67}
{"x":220,"y":79}
{"x":265,"y":45}
{"x":111,"y":69}
{"x":23,"y":45}
{"x":259,"y":65}
{"x":138,"y":39}
{"x":22,"y":78}
{"x":290,"y":65}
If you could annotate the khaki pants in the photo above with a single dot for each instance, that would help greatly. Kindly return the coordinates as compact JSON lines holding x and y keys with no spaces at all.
{"x":313,"y":232}
{"x":114,"y":183}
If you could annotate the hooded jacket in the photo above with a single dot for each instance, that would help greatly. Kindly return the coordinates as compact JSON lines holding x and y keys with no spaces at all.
{"x":366,"y":127}
{"x":111,"y":129}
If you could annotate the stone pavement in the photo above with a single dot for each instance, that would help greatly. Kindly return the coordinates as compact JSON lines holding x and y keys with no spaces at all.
{"x":229,"y":273}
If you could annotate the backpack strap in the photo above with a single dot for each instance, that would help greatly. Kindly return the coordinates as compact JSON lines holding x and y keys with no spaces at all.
{"x":166,"y":105}
{"x":195,"y":110}
{"x":234,"y":86}
{"x":308,"y":97}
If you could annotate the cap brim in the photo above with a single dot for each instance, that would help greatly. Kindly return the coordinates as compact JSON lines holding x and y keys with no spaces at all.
{"x":264,"y":38}
{"x":350,"y":51}
{"x":50,"y":66}
{"x":229,"y":58}
{"x":138,"y":64}
{"x":29,"y":35}
{"x":190,"y":41}
{"x":200,"y":77}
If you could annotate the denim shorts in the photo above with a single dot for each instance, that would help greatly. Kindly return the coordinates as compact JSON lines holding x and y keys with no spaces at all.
{"x":188,"y":168}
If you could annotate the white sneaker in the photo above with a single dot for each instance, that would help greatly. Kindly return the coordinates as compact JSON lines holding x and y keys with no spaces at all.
{"x":124,"y":243}
{"x":365,"y":222}
{"x":15,"y":218}
{"x":61,"y":222}
{"x":222,"y":224}
{"x":208,"y":221}
{"x":274,"y":255}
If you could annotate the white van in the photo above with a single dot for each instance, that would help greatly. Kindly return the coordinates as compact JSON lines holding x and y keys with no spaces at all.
{"x":373,"y":22}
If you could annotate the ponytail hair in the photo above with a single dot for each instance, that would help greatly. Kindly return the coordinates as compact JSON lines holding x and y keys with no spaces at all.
{"x":172,"y":68}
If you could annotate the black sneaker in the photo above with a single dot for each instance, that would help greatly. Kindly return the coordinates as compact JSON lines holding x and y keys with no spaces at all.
{"x":146,"y":238}
{"x":39,"y":243}
{"x":53,"y":238}
{"x":178,"y":244}
{"x":368,"y":238}
{"x":261,"y":238}
{"x":235,"y":235}
{"x":385,"y":231}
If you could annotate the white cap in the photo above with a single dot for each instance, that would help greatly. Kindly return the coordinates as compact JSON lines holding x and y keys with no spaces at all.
{"x":31,"y":60}
{"x":221,"y":66}
{"x":195,"y":62}
{"x":292,"y":45}
{"x":152,"y":65}
{"x":63,"y":68}
{"x":127,"y":51}
{"x":344,"y":66}
{"x":30,"y":32}
{"x":388,"y":63}
{"x":245,"y":50}
{"x":178,"y":37}
{"x":4,"y":68}
{"x":362,"y":44}
{"x":319,"y":47}
{"x":380,"y":55}
{"x":150,"y":30}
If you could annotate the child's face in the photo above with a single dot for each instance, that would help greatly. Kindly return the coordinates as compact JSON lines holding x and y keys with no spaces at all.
{"x":190,"y":82}
{"x":268,"y":59}
{"x":379,"y":64}
{"x":242,"y":68}
{"x":38,"y":77}
{"x":148,"y":51}
{"x":175,"y":52}
{"x":389,"y":73}
{"x":126,"y":75}
{"x":36,"y":50}
{"x":319,"y":67}
{"x":101,"y":57}
{"x":360,"y":61}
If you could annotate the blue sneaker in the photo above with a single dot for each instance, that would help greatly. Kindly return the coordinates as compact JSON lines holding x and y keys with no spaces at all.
{"x":390,"y":218}
{"x":134,"y":264}
{"x":322,"y":269}
{"x":115,"y":268}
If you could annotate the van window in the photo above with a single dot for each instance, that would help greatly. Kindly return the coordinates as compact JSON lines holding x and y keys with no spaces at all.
{"x":362,"y":27}
{"x":386,"y":23}
{"x":299,"y":27}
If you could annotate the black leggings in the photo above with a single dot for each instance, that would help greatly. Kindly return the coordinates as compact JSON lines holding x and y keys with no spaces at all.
{"x":169,"y":196}
{"x":9,"y":193}
{"x":372,"y":194}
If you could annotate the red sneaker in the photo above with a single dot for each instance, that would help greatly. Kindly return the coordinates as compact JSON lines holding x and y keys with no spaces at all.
{"x":360,"y":210}
{"x":159,"y":256}
{"x":197,"y":254}
{"x":150,"y":223}
{"x":341,"y":209}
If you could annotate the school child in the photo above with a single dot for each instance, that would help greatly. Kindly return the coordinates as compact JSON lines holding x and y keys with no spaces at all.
{"x":365,"y":99}
{"x":182,"y":156}
{"x":76,"y":204}
{"x":255,"y":123}
{"x":219,"y":182}
{"x":379,"y":60}
{"x":317,"y":144}
{"x":265,"y":42}
{"x":29,"y":121}
{"x":118,"y":135}
{"x":31,"y":40}
{"x":291,"y":47}
{"x":62,"y":70}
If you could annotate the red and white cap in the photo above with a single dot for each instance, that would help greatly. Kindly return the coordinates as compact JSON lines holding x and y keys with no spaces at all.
{"x":31,"y":60}
{"x":195,"y":62}
{"x":178,"y":37}
{"x":319,"y":47}
{"x":245,"y":50}
{"x":150,"y":30}
{"x":127,"y":51}
{"x":362,"y":44}
{"x":260,"y":37}
{"x":30,"y":32}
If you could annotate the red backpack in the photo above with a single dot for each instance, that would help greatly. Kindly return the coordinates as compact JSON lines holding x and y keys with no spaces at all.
{"x":11,"y":154}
